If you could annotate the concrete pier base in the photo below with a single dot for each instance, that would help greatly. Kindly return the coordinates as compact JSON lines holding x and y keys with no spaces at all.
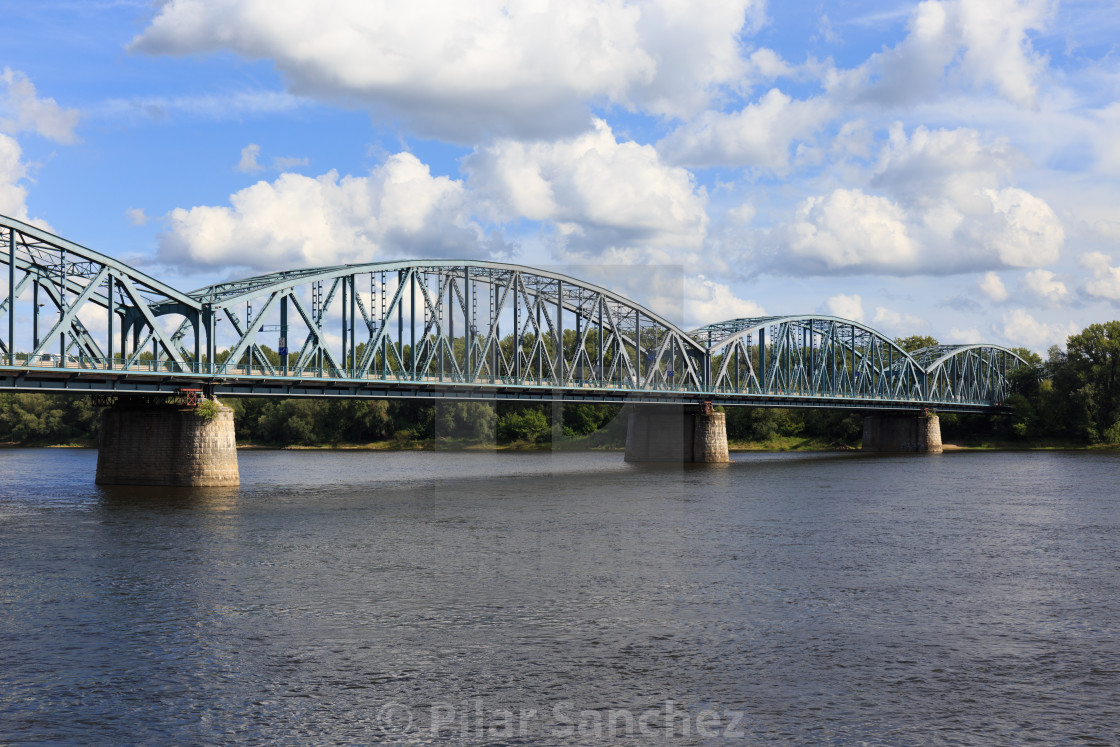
{"x":676,"y":434}
{"x":158,"y":444}
{"x":915,"y":434}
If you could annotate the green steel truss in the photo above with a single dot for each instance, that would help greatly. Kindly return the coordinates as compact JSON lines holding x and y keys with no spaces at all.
{"x":968,"y":373}
{"x":72,"y":303}
{"x":809,"y":356}
{"x":449,"y":321}
{"x":74,"y":319}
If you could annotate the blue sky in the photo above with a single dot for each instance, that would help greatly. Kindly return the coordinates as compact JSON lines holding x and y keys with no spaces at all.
{"x":944,"y":168}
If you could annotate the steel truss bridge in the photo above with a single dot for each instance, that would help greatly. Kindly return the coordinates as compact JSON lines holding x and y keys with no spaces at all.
{"x":75,"y":320}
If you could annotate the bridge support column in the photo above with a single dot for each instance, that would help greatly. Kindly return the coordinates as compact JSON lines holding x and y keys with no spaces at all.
{"x":666,"y":433}
{"x":163,"y":444}
{"x":920,"y":434}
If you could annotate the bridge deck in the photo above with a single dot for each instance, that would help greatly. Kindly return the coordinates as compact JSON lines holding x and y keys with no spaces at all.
{"x":148,"y":377}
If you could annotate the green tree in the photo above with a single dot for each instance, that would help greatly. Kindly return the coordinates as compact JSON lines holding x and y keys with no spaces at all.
{"x":915,"y":342}
{"x":763,"y":423}
{"x":524,"y":424}
{"x":1089,"y":378}
{"x":1032,"y":358}
{"x":466,"y":421}
{"x":48,"y":419}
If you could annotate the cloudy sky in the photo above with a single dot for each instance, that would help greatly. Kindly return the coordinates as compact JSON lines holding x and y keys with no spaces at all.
{"x":941,"y":167}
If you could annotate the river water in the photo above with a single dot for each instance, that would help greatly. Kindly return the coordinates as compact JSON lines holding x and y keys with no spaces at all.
{"x":419,"y":597}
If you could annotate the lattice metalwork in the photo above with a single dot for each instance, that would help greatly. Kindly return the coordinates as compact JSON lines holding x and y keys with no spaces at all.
{"x":967,"y":373}
{"x":808,"y":356}
{"x":69,"y":307}
{"x":448,"y":321}
{"x":79,"y":320}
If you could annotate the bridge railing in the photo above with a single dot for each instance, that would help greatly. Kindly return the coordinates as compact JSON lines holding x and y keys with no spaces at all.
{"x":251,"y":374}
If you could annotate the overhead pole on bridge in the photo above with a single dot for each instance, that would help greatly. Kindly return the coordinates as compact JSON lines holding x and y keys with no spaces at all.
{"x":401,"y":274}
{"x":11,"y":296}
{"x":35,"y":314}
{"x":638,"y":346}
{"x":109,"y":339}
{"x":560,"y":331}
{"x":451,"y":321}
{"x":353,"y":283}
{"x":516,"y":331}
{"x":283,"y":346}
{"x":61,"y":307}
{"x":412,"y":324}
{"x":762,"y":387}
{"x":468,"y":325}
{"x":345,"y":310}
{"x":599,"y":332}
{"x":195,"y":324}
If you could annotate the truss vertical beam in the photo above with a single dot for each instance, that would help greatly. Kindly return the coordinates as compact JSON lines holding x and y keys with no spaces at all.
{"x":412,"y":325}
{"x":111,"y":318}
{"x":468,"y":323}
{"x":11,"y":296}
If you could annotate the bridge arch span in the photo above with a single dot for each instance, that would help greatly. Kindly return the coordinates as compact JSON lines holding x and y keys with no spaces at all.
{"x":970,"y":372}
{"x":86,"y":309}
{"x":455,"y":321}
{"x":808,"y":355}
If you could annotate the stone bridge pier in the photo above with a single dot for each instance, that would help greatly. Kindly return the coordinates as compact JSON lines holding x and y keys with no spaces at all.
{"x":902,"y":433}
{"x":159,"y":443}
{"x":668,"y":433}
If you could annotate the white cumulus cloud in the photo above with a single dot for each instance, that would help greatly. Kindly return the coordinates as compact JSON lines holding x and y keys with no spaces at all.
{"x":460,"y":69}
{"x":1044,"y":287}
{"x":944,"y":208}
{"x":248,"y":163}
{"x":21,"y":110}
{"x":898,"y":323}
{"x":1021,"y":328}
{"x":13,"y":195}
{"x":607,"y":200}
{"x":707,"y":301}
{"x":1106,"y":278}
{"x":964,"y":336}
{"x":845,"y":307}
{"x":137,"y":216}
{"x":992,"y":286}
{"x":760,"y":134}
{"x":985,"y":43}
{"x":399,"y":209}
{"x":849,"y":229}
{"x":997,"y":50}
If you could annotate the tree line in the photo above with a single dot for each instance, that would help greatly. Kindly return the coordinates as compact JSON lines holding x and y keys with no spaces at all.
{"x":1071,"y":397}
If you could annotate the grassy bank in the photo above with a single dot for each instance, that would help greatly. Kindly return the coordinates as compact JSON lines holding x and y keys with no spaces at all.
{"x":995,"y":443}
{"x":789,"y":443}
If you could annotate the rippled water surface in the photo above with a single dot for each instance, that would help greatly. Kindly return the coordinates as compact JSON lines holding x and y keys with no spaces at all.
{"x":971,"y":598}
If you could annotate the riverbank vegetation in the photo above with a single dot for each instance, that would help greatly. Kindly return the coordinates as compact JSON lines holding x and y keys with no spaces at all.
{"x":1069,"y":400}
